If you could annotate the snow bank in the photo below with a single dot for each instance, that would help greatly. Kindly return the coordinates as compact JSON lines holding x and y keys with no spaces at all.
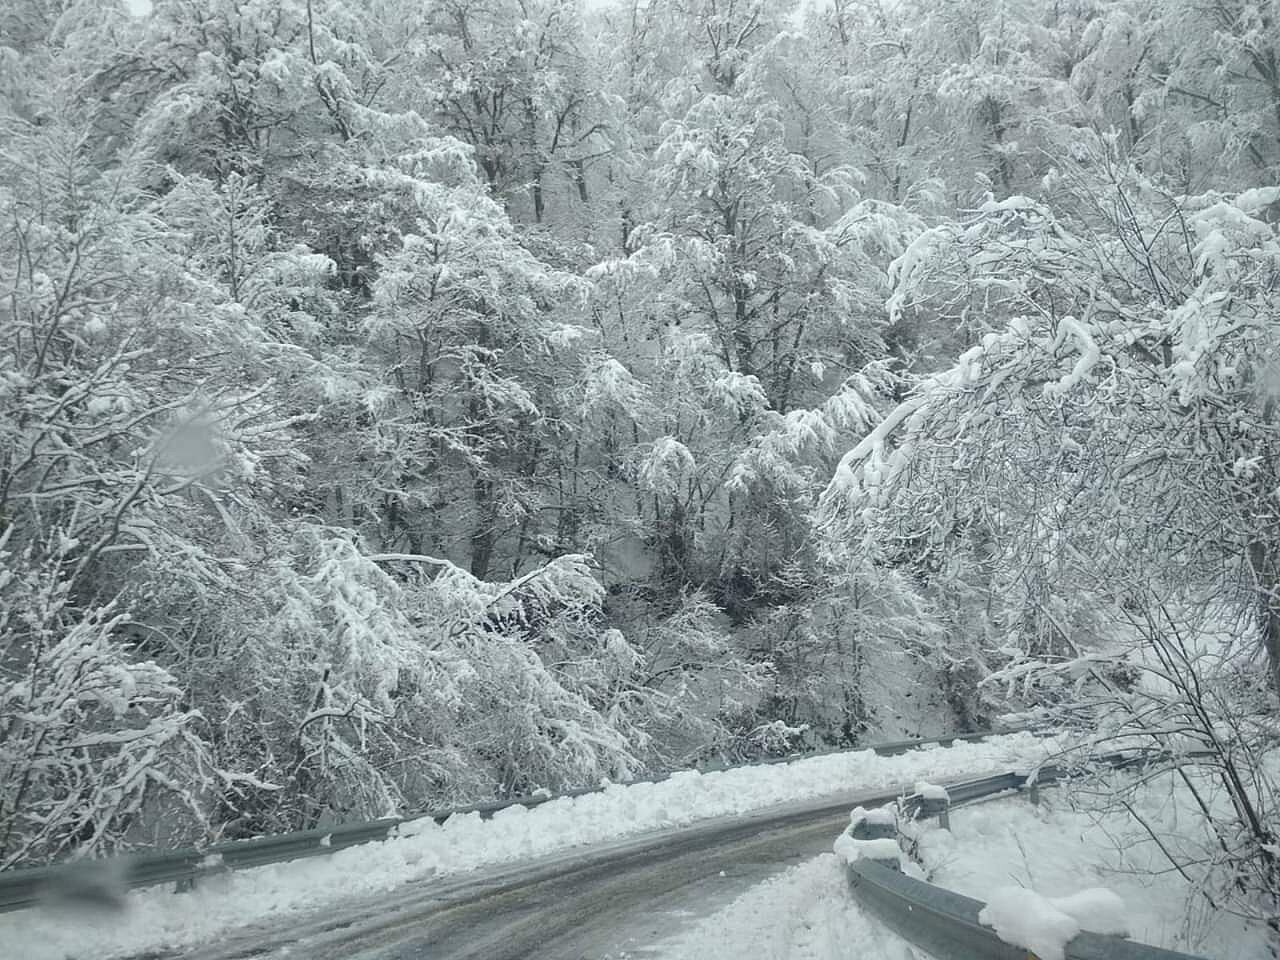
{"x":156,"y":917}
{"x":805,"y":913}
{"x":1045,"y":925}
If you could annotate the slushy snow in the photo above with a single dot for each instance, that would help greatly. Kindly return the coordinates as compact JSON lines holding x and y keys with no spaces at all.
{"x":156,"y":918}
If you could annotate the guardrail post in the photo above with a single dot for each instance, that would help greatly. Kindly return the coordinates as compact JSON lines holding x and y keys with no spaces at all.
{"x":936,"y":805}
{"x":1044,"y":774}
{"x":937,"y":808}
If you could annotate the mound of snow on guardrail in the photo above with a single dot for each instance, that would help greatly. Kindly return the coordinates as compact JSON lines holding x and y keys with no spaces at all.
{"x":157,"y":918}
{"x":850,"y":850}
{"x":931,"y":791}
{"x":1045,"y":925}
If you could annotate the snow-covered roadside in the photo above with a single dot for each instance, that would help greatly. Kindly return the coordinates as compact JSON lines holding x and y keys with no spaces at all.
{"x":1058,"y":851}
{"x":157,"y":918}
{"x":805,"y":913}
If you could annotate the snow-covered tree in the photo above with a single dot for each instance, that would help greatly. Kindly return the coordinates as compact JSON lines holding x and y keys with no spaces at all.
{"x":1094,"y":471}
{"x":136,"y":419}
{"x":95,"y":743}
{"x":463,"y":319}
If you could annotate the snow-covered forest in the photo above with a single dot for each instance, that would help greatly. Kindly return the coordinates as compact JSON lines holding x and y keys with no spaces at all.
{"x":410,"y":402}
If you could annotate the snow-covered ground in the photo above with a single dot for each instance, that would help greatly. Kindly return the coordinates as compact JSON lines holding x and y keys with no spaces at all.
{"x":806,"y":913}
{"x":1057,"y":851}
{"x":1046,"y":872}
{"x":157,"y":918}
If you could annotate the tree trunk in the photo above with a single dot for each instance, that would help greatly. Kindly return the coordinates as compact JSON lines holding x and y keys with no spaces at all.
{"x":482,"y":536}
{"x":1262,"y":563}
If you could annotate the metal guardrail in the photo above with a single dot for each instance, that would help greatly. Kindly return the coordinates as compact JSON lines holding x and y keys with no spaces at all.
{"x":26,"y":887}
{"x":945,"y":923}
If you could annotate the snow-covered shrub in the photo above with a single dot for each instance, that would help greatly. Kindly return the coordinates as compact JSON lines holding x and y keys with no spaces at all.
{"x":94,"y":741}
{"x":549,"y":695}
{"x":360,"y":685}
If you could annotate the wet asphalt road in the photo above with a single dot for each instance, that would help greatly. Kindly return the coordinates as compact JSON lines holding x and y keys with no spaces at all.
{"x":609,"y":901}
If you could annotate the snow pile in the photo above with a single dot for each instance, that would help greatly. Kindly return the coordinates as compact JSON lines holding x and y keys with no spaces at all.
{"x":1097,"y":910}
{"x":805,"y":913}
{"x":422,"y":849}
{"x":1045,"y":925}
{"x":1026,"y":919}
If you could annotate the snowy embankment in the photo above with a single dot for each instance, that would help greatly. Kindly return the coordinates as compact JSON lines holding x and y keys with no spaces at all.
{"x":1033,"y":864}
{"x":157,"y":918}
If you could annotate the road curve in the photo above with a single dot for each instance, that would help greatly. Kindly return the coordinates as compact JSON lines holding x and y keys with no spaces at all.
{"x":610,"y":900}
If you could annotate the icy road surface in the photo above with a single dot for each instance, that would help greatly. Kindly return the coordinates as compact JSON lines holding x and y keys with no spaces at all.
{"x":619,"y":900}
